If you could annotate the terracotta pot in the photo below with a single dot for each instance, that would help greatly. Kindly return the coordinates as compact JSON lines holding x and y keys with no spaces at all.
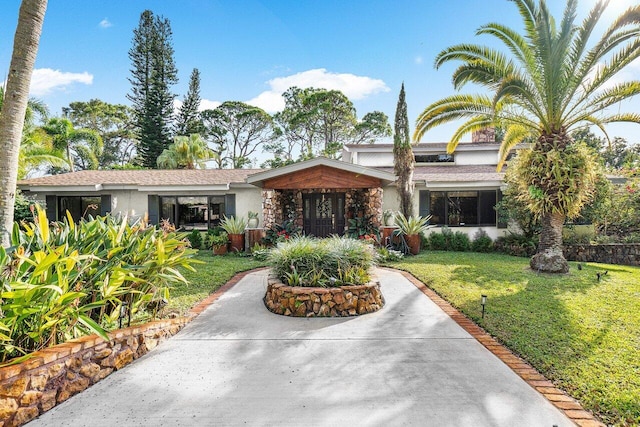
{"x":387,"y":236}
{"x":413,"y":242}
{"x":220,"y":250}
{"x":237,"y":242}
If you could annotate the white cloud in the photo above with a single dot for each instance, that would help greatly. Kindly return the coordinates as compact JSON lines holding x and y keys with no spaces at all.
{"x":354,"y":87}
{"x":207,"y":104}
{"x":46,"y":80}
{"x":105,"y":23}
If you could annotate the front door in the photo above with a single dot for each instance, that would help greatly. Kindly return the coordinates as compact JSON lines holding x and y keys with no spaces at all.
{"x":323,"y":214}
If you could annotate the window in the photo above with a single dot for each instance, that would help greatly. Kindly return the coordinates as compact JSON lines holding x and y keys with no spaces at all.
{"x":79,"y":206}
{"x":459,"y":208}
{"x":434,"y":158}
{"x":193,"y":212}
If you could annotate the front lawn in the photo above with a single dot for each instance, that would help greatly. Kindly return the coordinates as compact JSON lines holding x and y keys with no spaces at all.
{"x":581,"y":333}
{"x":208,"y":277}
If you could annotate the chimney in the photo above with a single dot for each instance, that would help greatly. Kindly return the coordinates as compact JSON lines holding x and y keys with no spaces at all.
{"x":484,"y":135}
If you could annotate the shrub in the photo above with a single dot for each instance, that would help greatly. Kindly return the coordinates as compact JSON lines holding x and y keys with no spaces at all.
{"x":516,"y":245}
{"x":195,"y":237}
{"x":280,"y":233}
{"x":362,"y":228}
{"x":578,"y":234}
{"x":481,"y":242}
{"x":447,"y":240}
{"x":437,"y":241}
{"x":459,"y":242}
{"x":67,"y":280}
{"x":335,"y":261}
{"x":389,"y":255}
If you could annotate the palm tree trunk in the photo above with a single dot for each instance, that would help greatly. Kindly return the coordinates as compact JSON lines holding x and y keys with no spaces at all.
{"x":549,"y":258}
{"x":25,"y":48}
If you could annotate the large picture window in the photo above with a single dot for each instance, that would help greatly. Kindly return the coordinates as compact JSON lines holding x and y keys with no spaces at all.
{"x":459,"y":208}
{"x":193,"y":212}
{"x":79,"y":206}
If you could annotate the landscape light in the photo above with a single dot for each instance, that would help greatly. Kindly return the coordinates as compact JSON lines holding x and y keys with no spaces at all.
{"x":483,"y":301}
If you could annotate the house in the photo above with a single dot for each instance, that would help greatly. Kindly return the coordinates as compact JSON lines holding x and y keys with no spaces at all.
{"x":458,"y":190}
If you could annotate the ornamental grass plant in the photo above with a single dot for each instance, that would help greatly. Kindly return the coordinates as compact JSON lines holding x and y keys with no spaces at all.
{"x":334,"y":261}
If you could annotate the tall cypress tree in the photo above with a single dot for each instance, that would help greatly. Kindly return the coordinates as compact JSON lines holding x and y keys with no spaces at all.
{"x":403,"y":160}
{"x":153,"y":73}
{"x":188,"y":121}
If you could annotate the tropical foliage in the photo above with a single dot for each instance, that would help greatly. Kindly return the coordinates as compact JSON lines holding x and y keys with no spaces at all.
{"x":82,"y":147}
{"x":334,"y":261}
{"x":63,"y":280}
{"x":552,"y":79}
{"x":186,"y":153}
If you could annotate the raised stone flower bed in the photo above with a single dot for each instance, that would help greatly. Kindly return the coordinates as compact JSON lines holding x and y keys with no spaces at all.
{"x":352,"y":300}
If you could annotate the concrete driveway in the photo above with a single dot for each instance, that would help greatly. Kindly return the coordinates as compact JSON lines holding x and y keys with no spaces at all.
{"x":239,"y":364}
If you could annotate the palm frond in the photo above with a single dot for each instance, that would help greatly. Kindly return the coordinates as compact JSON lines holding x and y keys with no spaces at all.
{"x":513,"y":135}
{"x":449,"y":109}
{"x":474,"y":124}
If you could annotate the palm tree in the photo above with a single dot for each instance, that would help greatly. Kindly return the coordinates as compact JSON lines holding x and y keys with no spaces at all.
{"x":25,"y":48}
{"x":86,"y":143}
{"x":186,"y":153}
{"x":551,"y":80}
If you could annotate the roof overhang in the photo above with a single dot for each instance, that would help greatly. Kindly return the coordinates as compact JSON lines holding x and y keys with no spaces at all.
{"x":260,"y":178}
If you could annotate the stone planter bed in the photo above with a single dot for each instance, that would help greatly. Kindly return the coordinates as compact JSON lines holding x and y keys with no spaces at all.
{"x":297,"y":301}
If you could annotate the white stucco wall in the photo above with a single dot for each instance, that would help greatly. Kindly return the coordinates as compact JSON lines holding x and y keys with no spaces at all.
{"x":375,"y":159}
{"x":248,"y":199}
{"x":476,"y":158}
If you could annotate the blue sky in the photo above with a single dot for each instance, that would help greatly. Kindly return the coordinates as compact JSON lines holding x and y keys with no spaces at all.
{"x":251,"y":51}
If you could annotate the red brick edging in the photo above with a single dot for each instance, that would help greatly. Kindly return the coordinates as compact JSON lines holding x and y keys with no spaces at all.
{"x":572,"y":409}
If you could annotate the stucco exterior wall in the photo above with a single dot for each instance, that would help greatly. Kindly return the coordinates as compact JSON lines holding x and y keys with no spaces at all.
{"x":248,"y":199}
{"x":476,"y":158}
{"x":375,"y":159}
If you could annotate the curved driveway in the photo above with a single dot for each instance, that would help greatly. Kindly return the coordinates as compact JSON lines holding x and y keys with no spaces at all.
{"x":238,"y":364}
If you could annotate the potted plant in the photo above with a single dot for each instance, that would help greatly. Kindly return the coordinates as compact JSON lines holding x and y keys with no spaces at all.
{"x":218,"y":242}
{"x":235,"y":229}
{"x":253,"y":220}
{"x":412,"y":228}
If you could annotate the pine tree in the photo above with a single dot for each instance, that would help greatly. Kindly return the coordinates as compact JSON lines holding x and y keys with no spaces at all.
{"x":153,"y":73}
{"x":403,"y":160}
{"x":188,"y":121}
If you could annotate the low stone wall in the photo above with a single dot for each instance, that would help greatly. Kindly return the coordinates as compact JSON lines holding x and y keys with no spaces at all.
{"x":323,"y":302}
{"x":56,"y":373}
{"x":614,"y":253}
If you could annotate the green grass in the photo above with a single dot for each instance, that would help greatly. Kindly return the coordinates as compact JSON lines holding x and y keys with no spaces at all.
{"x":581,"y":333}
{"x":208,"y":277}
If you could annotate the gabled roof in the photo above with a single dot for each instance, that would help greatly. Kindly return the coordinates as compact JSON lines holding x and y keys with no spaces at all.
{"x":96,"y":180}
{"x":259,"y":178}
